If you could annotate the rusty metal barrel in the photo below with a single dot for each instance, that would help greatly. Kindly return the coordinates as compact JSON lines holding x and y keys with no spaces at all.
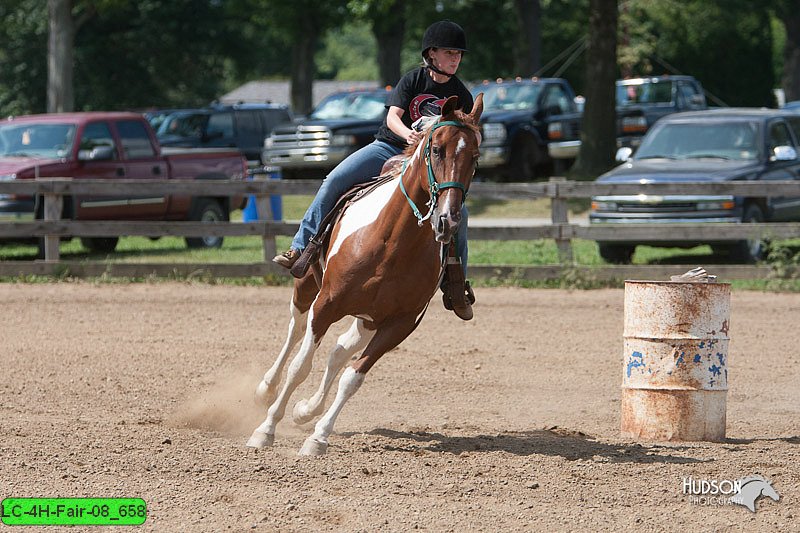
{"x":675,"y":366}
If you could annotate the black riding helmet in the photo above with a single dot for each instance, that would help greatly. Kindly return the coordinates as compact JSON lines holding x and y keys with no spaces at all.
{"x":444,"y":34}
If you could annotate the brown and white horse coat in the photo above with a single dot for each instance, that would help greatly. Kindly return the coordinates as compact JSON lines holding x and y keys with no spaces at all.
{"x":382,"y":267}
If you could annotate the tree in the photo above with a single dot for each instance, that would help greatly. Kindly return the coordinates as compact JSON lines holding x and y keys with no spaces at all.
{"x":527,"y":52}
{"x":301,"y":24}
{"x":788,"y":11}
{"x":599,"y":133}
{"x":723,"y":43}
{"x":388,"y":20}
{"x":62,"y":25}
{"x":23,"y":57}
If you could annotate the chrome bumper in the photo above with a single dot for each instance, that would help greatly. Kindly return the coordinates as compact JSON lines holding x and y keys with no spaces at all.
{"x":564,"y":149}
{"x":306,"y":158}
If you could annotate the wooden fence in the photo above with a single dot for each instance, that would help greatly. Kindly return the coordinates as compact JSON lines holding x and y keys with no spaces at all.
{"x":560,"y":229}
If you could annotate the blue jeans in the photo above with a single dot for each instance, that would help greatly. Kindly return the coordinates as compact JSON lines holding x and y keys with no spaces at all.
{"x":357,"y":168}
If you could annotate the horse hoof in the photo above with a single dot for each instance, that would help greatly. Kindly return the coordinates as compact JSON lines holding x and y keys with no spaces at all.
{"x":313,"y":448}
{"x":260,"y":440}
{"x":301,"y":414}
{"x":264,"y":394}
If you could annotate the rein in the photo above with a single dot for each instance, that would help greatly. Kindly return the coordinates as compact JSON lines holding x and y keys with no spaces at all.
{"x":434,"y":187}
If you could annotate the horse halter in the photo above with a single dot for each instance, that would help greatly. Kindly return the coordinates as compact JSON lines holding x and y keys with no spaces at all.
{"x":434,"y":187}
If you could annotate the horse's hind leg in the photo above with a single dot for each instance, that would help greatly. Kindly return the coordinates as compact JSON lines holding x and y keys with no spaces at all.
{"x":384,"y":339}
{"x":299,"y":368}
{"x":348,"y":343}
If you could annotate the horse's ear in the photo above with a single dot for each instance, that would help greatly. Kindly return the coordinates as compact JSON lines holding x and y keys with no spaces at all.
{"x":449,"y":106}
{"x":477,"y":109}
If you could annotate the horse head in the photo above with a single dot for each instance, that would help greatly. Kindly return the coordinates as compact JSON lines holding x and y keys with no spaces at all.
{"x":451,"y":157}
{"x":752,"y":488}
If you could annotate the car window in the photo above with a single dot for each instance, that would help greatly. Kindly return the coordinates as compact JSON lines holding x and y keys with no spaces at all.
{"x":779,"y":135}
{"x":184,"y":125}
{"x":134,"y":139}
{"x":220,"y":123}
{"x":248,"y":123}
{"x":518,"y":96}
{"x":363,"y":106}
{"x":96,"y":134}
{"x":794,"y":123}
{"x":556,"y":97}
{"x":273,"y":117}
{"x":658,"y":92}
{"x":690,"y":140}
{"x":45,"y":140}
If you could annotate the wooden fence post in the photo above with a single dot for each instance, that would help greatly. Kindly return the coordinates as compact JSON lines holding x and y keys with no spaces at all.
{"x":264,"y":208}
{"x":559,"y":215}
{"x":53,"y":208}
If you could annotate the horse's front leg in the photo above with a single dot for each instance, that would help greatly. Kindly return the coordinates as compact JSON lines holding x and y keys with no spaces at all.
{"x":268,"y":387}
{"x":386,"y":337}
{"x":356,"y":337}
{"x":300,"y":367}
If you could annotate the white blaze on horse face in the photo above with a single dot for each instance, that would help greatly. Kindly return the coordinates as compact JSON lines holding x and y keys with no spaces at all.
{"x":362,"y":214}
{"x":461,"y":145}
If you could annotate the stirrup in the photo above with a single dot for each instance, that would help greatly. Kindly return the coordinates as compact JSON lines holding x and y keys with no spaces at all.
{"x":458,"y":295}
{"x":310,"y":255}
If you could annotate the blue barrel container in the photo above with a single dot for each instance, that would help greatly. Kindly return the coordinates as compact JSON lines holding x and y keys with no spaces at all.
{"x":250,"y":212}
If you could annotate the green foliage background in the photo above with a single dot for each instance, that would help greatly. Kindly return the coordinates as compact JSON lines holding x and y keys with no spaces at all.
{"x":135,"y":55}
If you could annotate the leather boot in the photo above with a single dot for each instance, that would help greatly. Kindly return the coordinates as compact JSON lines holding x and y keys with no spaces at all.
{"x":310,"y":254}
{"x":458,"y":296}
{"x":287,"y":258}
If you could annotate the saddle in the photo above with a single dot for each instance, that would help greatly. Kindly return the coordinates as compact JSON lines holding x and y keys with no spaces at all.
{"x":320,"y":241}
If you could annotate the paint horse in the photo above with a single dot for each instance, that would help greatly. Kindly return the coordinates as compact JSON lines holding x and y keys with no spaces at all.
{"x":382,"y":267}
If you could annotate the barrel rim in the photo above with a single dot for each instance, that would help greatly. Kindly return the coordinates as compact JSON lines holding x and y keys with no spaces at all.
{"x":667,"y":282}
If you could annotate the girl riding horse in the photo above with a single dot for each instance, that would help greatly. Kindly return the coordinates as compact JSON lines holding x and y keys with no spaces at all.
{"x":419,"y":93}
{"x":385,"y":261}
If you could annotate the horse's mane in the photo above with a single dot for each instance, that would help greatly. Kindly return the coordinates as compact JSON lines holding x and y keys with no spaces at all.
{"x":460,"y":116}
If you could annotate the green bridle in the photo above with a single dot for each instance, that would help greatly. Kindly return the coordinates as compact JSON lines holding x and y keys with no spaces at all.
{"x":433,"y":186}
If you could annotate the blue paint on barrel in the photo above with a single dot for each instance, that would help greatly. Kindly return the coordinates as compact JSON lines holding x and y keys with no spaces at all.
{"x":635,"y":361}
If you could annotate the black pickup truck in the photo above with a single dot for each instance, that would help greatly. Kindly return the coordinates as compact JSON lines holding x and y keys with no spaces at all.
{"x":531,"y":128}
{"x":342,"y":123}
{"x":642,"y":101}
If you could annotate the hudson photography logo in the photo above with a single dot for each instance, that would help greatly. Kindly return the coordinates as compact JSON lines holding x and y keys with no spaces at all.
{"x":720,"y":492}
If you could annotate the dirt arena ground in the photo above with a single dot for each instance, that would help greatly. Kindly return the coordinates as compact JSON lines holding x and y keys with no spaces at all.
{"x":506,"y":423}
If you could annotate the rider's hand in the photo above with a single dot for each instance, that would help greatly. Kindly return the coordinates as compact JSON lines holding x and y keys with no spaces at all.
{"x":413,"y":137}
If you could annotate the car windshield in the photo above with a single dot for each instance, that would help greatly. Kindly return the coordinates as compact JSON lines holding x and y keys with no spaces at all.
{"x":156,"y":118}
{"x":364,"y":106}
{"x":183,"y":125}
{"x":509,"y":97}
{"x":658,"y":92}
{"x":695,"y":140}
{"x":36,"y":140}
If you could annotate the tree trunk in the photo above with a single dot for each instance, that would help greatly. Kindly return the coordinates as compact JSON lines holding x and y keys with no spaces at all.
{"x":60,"y":95}
{"x":527,"y":52}
{"x":599,"y":132}
{"x":303,"y":68}
{"x":388,"y":27}
{"x":791,"y":55}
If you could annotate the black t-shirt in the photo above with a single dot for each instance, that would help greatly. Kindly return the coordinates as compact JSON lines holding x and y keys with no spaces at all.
{"x":418,"y":95}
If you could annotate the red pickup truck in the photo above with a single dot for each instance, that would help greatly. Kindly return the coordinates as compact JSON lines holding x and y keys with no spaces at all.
{"x":101,"y":145}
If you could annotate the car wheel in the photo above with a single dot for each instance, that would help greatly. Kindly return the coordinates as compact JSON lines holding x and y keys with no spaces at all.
{"x":100,"y":245}
{"x":525,"y":157}
{"x":618,"y":254}
{"x":207,"y":210}
{"x":750,"y":250}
